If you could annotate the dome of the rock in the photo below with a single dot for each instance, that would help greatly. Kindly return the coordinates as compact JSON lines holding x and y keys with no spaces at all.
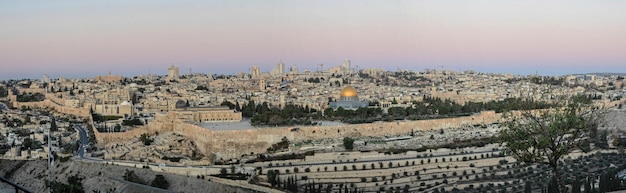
{"x":348,"y":92}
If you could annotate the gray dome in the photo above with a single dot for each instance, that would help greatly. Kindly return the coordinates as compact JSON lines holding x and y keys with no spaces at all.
{"x":181,"y":104}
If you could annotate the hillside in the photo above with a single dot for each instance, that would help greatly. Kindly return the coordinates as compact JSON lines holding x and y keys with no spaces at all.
{"x":99,"y":177}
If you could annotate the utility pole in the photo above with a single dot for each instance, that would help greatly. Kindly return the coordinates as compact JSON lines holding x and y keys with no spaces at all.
{"x":50,"y":159}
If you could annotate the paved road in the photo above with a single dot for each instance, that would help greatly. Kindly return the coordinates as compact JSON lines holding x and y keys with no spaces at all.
{"x":84,"y":142}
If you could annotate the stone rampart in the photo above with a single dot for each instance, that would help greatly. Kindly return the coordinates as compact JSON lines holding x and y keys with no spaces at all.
{"x":234,"y":143}
{"x":30,"y":90}
{"x":159,"y":125}
{"x":57,"y":107}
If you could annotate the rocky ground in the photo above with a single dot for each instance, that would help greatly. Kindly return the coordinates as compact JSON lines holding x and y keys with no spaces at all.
{"x":615,"y":119}
{"x":98,"y":177}
{"x":168,"y":148}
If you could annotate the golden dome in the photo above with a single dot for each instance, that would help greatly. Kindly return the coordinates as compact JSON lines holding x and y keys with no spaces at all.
{"x":348,"y":92}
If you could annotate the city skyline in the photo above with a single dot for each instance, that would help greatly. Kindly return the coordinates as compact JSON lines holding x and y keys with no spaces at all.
{"x":84,"y":39}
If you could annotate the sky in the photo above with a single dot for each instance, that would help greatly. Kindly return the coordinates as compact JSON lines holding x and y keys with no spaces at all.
{"x":77,"y":39}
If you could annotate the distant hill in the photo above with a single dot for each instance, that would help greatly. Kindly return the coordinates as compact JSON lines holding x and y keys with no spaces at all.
{"x":601,"y":74}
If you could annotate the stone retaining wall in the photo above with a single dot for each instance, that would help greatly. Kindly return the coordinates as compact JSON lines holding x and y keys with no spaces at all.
{"x":234,"y":143}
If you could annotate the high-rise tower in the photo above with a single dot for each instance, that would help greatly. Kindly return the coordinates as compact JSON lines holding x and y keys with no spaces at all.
{"x":255,"y":72}
{"x":281,"y":68}
{"x":172,"y":73}
{"x":345,"y":67}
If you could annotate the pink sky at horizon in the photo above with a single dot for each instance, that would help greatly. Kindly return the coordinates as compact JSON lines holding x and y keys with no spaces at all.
{"x":75,"y":38}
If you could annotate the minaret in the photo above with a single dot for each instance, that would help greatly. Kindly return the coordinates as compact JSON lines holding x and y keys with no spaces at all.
{"x":282,"y":101}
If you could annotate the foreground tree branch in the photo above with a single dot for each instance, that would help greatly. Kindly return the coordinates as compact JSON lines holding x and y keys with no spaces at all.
{"x":545,"y":137}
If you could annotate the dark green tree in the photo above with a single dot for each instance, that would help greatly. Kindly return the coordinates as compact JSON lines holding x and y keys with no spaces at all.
{"x":272,"y":177}
{"x":130,"y":176}
{"x":348,"y":143}
{"x":223,"y":172}
{"x":146,"y":139}
{"x":528,"y":187}
{"x":74,"y":185}
{"x":159,"y":181}
{"x":576,"y":186}
{"x":53,"y":125}
{"x":588,"y":186}
{"x":546,"y":137}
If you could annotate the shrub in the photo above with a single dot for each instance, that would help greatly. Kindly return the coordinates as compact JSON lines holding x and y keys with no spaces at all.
{"x":159,"y":181}
{"x":146,"y":139}
{"x":348,"y":143}
{"x":132,"y":177}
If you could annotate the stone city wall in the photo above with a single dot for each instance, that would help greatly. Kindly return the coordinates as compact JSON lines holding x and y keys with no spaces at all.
{"x":30,"y":90}
{"x":159,"y":125}
{"x":53,"y":105}
{"x":50,"y":101}
{"x":234,"y":143}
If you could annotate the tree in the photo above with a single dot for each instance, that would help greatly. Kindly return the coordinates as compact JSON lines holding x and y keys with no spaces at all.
{"x":588,"y":185}
{"x":223,"y":172}
{"x":3,"y":91}
{"x":130,"y":175}
{"x":159,"y":181}
{"x":74,"y":185}
{"x":547,"y":136}
{"x":528,"y":187}
{"x":53,"y":125}
{"x":272,"y":177}
{"x":348,"y":143}
{"x":576,"y":186}
{"x":146,"y":139}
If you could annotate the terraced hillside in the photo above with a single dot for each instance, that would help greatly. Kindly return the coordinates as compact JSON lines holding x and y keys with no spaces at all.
{"x":454,"y":171}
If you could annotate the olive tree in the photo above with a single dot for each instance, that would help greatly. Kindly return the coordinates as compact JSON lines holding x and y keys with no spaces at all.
{"x":546,"y":136}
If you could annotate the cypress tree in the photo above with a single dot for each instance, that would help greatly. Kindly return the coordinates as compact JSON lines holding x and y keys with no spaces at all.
{"x":576,"y":186}
{"x":528,"y":187}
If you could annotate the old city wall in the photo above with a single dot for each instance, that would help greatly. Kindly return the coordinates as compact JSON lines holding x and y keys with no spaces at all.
{"x":233,"y":143}
{"x":30,"y":90}
{"x":159,"y":125}
{"x":47,"y":103}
